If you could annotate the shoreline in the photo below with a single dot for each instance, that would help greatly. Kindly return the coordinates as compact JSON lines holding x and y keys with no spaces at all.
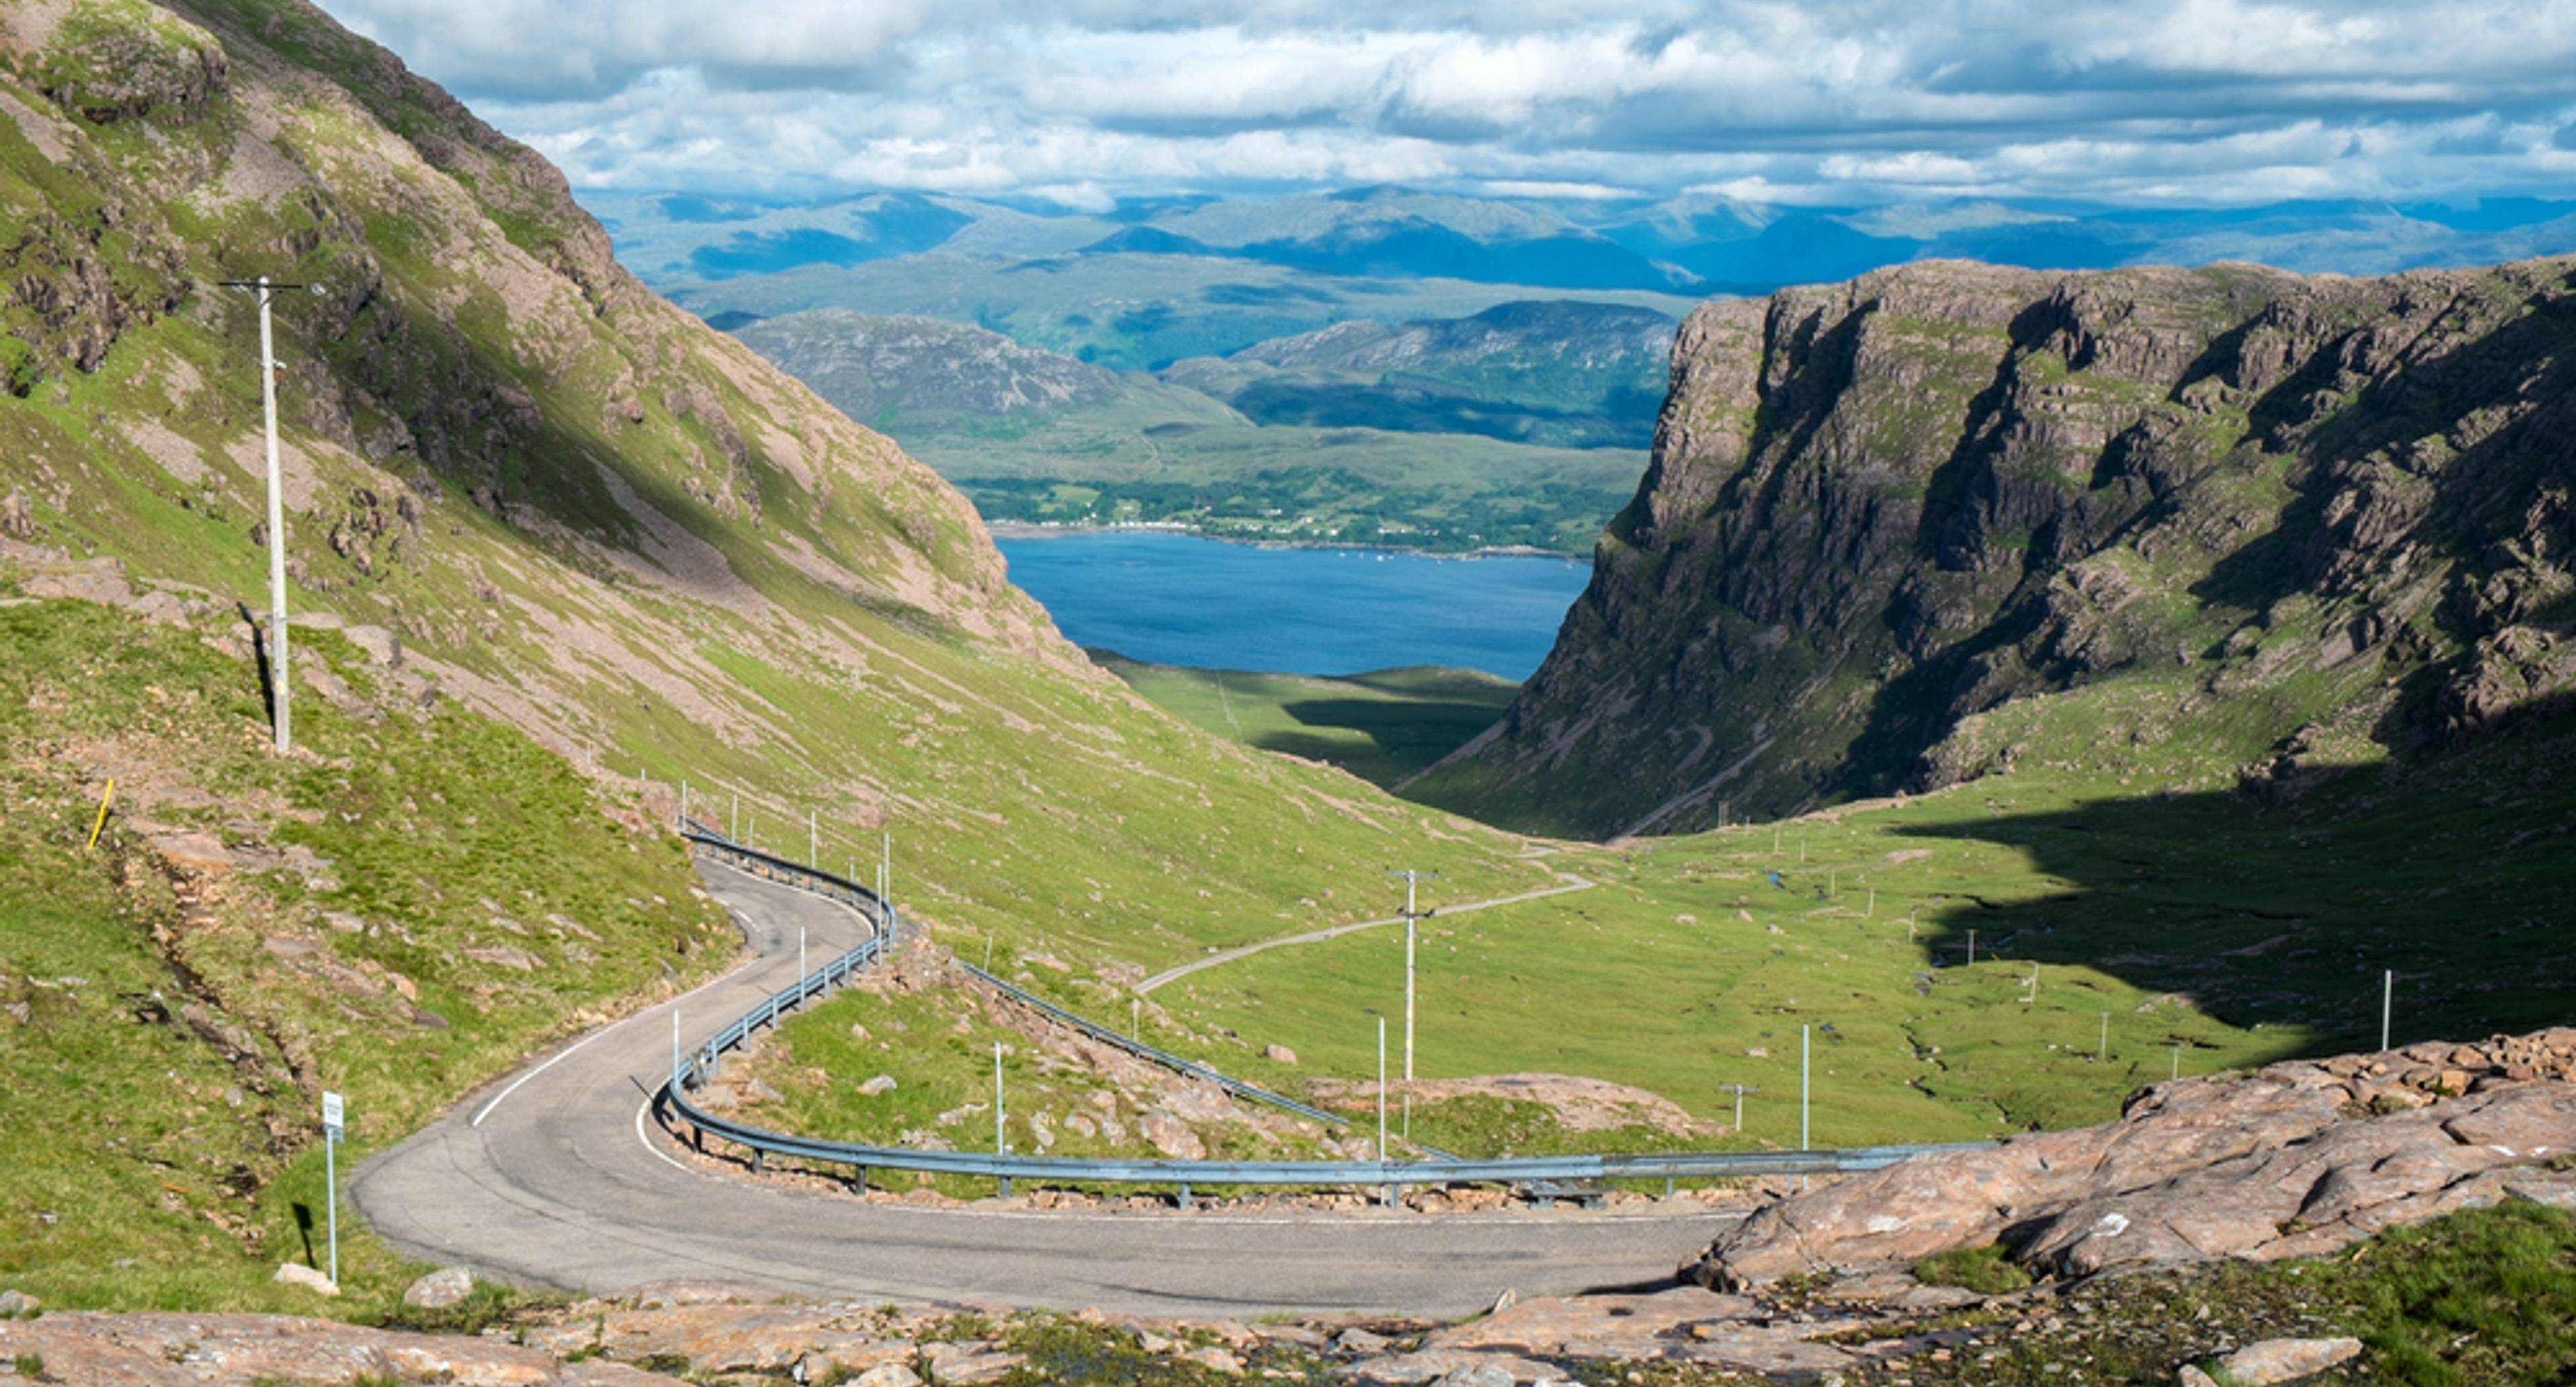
{"x":1023,"y":529}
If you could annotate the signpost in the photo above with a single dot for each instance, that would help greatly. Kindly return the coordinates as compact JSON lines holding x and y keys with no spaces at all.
{"x":331,"y":1128}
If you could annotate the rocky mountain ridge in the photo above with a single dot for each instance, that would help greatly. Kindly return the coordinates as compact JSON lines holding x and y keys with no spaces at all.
{"x":1901,"y":531}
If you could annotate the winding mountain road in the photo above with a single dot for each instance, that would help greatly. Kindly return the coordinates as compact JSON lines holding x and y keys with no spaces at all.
{"x":556,"y":1176}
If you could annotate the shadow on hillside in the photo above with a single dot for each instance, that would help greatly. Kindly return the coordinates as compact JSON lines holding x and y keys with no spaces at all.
{"x":1411,"y":733}
{"x":2457,"y":875}
{"x":534,"y":469}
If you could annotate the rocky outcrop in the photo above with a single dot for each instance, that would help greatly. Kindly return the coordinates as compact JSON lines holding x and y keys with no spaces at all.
{"x":92,"y":1350}
{"x":1574,"y":1102}
{"x":1878,"y":510}
{"x":2297,"y":1160}
{"x":108,"y":63}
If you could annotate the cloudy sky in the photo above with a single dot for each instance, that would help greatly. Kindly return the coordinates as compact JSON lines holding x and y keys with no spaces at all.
{"x":2169,"y":102}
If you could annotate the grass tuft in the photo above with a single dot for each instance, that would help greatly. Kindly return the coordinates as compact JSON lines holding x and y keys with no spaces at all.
{"x":1987,"y":1270}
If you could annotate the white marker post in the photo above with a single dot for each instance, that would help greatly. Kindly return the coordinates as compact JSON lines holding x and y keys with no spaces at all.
{"x":1411,"y":917}
{"x":2387,"y":1003}
{"x":1000,"y":1148}
{"x":2102,"y":1051}
{"x":331,"y":1114}
{"x":1381,"y":1088}
{"x":800,"y":956}
{"x":1740,"y":1091}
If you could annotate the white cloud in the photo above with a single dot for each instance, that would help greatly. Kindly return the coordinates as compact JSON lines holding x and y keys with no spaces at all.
{"x":1824,"y":101}
{"x":1543,"y":188}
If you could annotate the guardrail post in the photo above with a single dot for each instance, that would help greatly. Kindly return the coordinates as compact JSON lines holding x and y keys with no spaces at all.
{"x":858,"y":1179}
{"x":1006,"y":1187}
{"x":759,"y":1160}
{"x":1185,"y":1196}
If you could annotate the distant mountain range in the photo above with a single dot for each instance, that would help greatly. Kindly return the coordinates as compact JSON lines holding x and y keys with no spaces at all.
{"x":1193,"y":352}
{"x":1695,"y":246}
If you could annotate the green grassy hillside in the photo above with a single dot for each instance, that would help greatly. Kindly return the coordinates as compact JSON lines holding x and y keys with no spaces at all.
{"x":614,"y":542}
{"x":605,"y":542}
{"x":405,"y":908}
{"x":2199,"y":931}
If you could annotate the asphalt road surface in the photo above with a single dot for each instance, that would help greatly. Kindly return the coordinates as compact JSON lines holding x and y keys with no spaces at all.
{"x":556,"y":1176}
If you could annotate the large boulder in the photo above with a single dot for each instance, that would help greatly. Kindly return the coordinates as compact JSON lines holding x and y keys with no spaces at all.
{"x":2296,"y":1160}
{"x":1171,"y":1136}
{"x":440,"y":1289}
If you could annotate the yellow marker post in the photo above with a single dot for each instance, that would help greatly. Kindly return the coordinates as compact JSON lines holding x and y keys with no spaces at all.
{"x":102,"y":815}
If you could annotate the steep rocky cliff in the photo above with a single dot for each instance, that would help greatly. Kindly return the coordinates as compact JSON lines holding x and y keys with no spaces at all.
{"x":2181,"y":527}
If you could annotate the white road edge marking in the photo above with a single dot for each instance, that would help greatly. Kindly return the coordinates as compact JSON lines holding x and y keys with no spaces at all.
{"x":566,"y":1053}
{"x":658,"y":1154}
{"x":559,"y":1057}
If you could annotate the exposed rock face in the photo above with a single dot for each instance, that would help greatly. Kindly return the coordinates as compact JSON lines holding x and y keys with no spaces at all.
{"x":2297,"y":1160}
{"x":108,"y":66}
{"x":1878,"y":510}
{"x":90,"y":1350}
{"x":2288,"y":1360}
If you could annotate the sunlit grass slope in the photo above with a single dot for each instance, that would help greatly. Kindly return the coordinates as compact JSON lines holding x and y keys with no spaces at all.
{"x":2212,"y":930}
{"x":171,"y":1021}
